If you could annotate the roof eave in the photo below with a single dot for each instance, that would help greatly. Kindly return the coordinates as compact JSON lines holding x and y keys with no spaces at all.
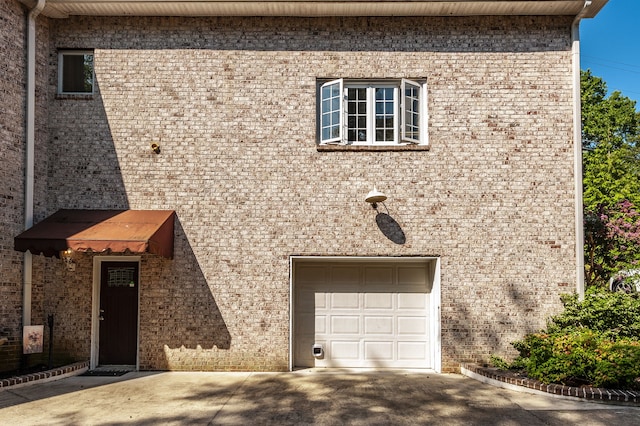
{"x":66,"y":8}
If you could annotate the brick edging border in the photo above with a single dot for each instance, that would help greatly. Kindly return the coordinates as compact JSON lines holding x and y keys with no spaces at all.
{"x":588,"y":393}
{"x":43,"y":376}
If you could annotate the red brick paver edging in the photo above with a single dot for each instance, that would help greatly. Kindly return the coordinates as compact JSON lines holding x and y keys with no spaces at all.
{"x":54,"y":374}
{"x":584,"y":392}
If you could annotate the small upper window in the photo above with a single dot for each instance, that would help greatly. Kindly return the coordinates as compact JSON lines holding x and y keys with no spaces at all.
{"x":372,"y":113}
{"x":75,"y":72}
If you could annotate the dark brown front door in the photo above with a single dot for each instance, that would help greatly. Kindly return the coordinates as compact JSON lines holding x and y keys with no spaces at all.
{"x":118,"y":313}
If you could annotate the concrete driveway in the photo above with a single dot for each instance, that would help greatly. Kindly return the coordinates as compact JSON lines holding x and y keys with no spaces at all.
{"x":322,"y":397}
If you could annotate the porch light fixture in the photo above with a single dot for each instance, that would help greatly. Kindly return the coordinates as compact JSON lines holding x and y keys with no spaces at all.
{"x":155,"y":148}
{"x":67,"y":258}
{"x":374,"y":197}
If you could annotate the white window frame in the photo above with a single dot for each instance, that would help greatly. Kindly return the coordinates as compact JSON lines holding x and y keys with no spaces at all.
{"x":407,"y":108}
{"x":326,"y":114}
{"x":402,"y":135}
{"x":61,"y":55}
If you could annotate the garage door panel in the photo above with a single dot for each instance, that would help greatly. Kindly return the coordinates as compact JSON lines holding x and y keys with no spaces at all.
{"x":320,"y":300}
{"x":378,"y":301}
{"x":311,"y":274}
{"x":321,"y":324}
{"x":412,"y":301}
{"x":412,"y":276}
{"x":412,"y":326}
{"x":345,"y":350}
{"x":378,"y":351}
{"x":378,"y":276}
{"x":345,"y":275}
{"x":345,"y":301}
{"x":412,"y":350}
{"x":343,"y":324}
{"x":378,"y":325}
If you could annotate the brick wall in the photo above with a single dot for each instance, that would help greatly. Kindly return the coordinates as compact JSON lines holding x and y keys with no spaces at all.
{"x":12,"y":80}
{"x":12,"y":157}
{"x":232,"y":103}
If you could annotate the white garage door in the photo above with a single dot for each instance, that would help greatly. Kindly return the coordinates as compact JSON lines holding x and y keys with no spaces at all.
{"x":362,"y":315}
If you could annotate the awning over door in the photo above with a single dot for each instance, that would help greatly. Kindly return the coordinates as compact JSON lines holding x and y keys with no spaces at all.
{"x":135,"y":231}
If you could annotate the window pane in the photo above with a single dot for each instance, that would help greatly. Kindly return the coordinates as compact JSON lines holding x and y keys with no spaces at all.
{"x":385,"y":114}
{"x":335,"y":118}
{"x":335,"y":90}
{"x":357,"y":114}
{"x":388,"y":135}
{"x":331,"y":111}
{"x":411,"y":113}
{"x":77,"y":73}
{"x":388,"y":108}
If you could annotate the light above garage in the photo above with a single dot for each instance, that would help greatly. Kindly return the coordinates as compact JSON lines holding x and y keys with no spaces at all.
{"x":374,"y":197}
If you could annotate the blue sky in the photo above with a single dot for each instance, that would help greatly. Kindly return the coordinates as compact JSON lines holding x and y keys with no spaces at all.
{"x":610,"y":47}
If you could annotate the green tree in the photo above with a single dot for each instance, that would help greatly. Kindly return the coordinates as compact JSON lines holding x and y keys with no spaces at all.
{"x":611,"y":141}
{"x":611,"y":177}
{"x":612,"y":241}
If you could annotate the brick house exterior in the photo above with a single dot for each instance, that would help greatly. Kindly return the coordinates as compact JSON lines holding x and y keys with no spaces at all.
{"x":488,"y":203}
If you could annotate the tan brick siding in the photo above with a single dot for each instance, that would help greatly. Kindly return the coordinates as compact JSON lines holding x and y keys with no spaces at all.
{"x":232,"y":104}
{"x":11,"y":178}
{"x":12,"y":174}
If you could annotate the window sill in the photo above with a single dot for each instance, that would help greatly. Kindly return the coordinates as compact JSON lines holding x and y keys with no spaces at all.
{"x":75,"y":96}
{"x":369,"y":148}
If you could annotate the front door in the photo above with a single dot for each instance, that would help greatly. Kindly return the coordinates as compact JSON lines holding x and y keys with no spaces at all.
{"x":118,"y":313}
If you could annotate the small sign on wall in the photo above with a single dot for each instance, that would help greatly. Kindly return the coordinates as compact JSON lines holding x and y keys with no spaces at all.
{"x":32,"y":339}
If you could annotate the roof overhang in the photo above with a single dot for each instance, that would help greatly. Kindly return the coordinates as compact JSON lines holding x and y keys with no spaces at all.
{"x":98,"y":231}
{"x":66,"y":8}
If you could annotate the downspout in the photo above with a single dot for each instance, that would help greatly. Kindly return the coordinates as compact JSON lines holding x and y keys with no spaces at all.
{"x":29,"y":156}
{"x":577,"y":150}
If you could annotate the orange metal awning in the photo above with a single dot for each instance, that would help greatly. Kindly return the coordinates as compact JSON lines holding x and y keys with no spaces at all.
{"x":117,"y":231}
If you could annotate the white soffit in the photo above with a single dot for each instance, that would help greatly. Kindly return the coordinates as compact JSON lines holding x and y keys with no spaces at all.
{"x":66,"y":8}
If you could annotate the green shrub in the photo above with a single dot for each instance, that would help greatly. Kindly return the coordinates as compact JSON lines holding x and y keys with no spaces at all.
{"x":595,"y":342}
{"x":615,"y":314}
{"x":618,"y":364}
{"x":499,"y":363}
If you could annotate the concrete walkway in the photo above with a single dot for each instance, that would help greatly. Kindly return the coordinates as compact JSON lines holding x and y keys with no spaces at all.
{"x":322,"y":397}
